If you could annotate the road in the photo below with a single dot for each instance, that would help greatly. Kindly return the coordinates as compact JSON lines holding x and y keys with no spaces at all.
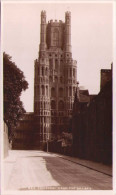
{"x":35,"y":170}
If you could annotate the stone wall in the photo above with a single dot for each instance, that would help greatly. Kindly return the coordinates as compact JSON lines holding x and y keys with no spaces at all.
{"x":92,"y":128}
{"x":56,"y":147}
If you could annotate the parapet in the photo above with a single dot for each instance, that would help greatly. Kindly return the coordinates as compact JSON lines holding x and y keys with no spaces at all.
{"x":54,"y":22}
{"x":71,"y":62}
{"x":105,"y":70}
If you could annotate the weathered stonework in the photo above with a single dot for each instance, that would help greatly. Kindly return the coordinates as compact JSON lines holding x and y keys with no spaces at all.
{"x":55,"y":79}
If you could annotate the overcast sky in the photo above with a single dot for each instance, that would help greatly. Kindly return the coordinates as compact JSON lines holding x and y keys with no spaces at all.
{"x":91,"y":39}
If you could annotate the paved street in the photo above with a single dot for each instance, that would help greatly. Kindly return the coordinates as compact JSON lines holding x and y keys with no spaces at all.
{"x":34,"y":170}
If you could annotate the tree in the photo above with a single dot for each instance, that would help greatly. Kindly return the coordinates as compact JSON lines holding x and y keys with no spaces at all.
{"x":14,"y":83}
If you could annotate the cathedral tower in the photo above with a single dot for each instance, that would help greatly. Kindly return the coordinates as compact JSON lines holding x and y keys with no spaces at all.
{"x":55,"y":78}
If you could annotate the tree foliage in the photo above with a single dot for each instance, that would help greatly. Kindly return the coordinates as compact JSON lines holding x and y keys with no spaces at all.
{"x":14,"y":83}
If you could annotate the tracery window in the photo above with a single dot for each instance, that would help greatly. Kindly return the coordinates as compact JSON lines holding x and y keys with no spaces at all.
{"x":55,"y":37}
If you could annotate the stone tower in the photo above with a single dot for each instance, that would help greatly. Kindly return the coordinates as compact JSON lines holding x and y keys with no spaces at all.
{"x":55,"y":79}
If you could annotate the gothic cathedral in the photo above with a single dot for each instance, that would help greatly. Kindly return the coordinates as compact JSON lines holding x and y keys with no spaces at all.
{"x":55,"y":80}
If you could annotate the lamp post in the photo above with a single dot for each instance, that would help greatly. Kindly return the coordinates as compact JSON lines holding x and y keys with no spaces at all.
{"x":47,"y":140}
{"x":47,"y":144}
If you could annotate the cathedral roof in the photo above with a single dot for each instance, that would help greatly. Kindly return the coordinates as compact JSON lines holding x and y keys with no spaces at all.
{"x":84,"y":96}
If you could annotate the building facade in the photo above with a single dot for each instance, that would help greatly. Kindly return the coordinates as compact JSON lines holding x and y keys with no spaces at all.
{"x":55,"y":80}
{"x":25,"y":136}
{"x":92,"y":123}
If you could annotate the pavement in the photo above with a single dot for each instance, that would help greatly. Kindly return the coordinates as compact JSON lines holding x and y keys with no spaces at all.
{"x":106,"y":169}
{"x":38,"y":170}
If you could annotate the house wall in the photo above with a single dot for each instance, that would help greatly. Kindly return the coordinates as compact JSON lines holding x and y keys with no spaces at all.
{"x":92,"y":128}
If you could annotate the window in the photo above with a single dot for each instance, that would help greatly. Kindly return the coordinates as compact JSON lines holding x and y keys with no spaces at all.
{"x":44,"y":105}
{"x":50,"y":78}
{"x":51,"y":63}
{"x":66,"y":91}
{"x":43,"y":90}
{"x":70,"y":72}
{"x":73,"y":72}
{"x":39,"y":105}
{"x":46,"y":71}
{"x":61,"y":92}
{"x":42,"y":71}
{"x":53,"y":92}
{"x":55,"y":37}
{"x":70,"y":92}
{"x":56,"y":79}
{"x":53,"y":104}
{"x":47,"y":90}
{"x":53,"y":128}
{"x":61,"y":105}
{"x":61,"y":79}
{"x":56,"y":64}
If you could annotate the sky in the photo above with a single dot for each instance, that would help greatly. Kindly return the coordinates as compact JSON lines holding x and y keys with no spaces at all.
{"x":91,"y":38}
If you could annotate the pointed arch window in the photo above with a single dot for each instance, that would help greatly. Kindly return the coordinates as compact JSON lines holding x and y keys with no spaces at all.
{"x":53,"y":104}
{"x":50,"y":79}
{"x":61,"y":105}
{"x":47,"y":90}
{"x":61,"y":92}
{"x":70,"y":92}
{"x":42,"y":71}
{"x":56,"y":79}
{"x":73,"y":72}
{"x":46,"y":71}
{"x":55,"y":37}
{"x":43,"y":90}
{"x":53,"y":92}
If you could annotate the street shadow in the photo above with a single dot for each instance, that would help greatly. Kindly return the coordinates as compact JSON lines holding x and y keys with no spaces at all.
{"x":68,"y":176}
{"x":58,"y":171}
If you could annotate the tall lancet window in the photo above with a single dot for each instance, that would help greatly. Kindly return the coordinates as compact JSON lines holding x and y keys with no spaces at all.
{"x":55,"y":37}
